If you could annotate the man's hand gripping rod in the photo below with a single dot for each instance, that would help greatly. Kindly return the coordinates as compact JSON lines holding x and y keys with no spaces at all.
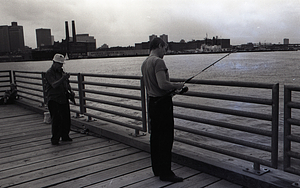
{"x":184,"y":88}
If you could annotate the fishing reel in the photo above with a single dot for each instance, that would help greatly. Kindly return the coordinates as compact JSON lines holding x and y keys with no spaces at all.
{"x":182,"y":90}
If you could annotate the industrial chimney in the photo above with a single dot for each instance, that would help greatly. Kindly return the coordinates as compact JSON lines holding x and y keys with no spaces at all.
{"x":67,"y":32}
{"x":73,"y":31}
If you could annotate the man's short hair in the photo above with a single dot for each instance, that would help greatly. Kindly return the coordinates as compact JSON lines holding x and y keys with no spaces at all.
{"x":156,"y":42}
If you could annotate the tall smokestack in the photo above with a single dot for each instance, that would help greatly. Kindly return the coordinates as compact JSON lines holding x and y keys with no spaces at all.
{"x":67,"y":32}
{"x":67,"y":37}
{"x":73,"y":31}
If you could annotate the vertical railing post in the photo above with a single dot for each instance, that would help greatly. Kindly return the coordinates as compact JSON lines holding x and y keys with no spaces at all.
{"x":10,"y":77}
{"x":275,"y":114}
{"x":44,"y":88}
{"x":14,"y":77}
{"x":143,"y":101}
{"x":287,"y":128}
{"x":81,"y":93}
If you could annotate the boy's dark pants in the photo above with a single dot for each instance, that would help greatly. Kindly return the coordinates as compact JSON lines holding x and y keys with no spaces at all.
{"x":61,"y":120}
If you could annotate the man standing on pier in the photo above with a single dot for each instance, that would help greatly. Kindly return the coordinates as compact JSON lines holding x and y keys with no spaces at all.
{"x":58,"y":89}
{"x":158,"y":85}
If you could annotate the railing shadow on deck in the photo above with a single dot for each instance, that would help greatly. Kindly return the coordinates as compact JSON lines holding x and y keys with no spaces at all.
{"x":236,"y":119}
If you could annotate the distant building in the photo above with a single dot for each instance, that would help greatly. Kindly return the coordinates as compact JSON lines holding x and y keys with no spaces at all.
{"x":43,"y":37}
{"x":151,"y":37}
{"x":11,"y":38}
{"x":4,"y":39}
{"x":164,"y":37}
{"x":85,"y":38}
{"x":286,"y":41}
{"x":195,"y":46}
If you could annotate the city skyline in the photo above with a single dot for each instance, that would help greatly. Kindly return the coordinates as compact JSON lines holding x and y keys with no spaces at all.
{"x":124,"y":23}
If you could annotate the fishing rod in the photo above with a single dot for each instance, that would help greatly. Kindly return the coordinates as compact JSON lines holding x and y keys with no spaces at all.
{"x":184,"y":88}
{"x":189,"y":79}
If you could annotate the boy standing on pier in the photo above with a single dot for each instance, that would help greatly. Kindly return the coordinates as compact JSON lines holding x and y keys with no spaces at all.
{"x":58,"y":89}
{"x":160,"y":110}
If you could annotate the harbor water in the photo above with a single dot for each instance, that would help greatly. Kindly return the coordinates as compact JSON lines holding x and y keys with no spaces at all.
{"x":264,"y":67}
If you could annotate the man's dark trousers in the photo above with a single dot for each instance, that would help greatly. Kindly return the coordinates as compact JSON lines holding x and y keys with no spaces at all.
{"x":162,"y":135}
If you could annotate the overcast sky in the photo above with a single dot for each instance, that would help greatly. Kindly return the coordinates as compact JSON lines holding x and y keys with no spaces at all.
{"x":126,"y":22}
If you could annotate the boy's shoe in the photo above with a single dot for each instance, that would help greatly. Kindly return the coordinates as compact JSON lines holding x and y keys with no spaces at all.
{"x":67,"y":139}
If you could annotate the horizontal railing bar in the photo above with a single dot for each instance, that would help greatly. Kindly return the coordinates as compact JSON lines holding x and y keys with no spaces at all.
{"x":29,"y":88}
{"x":292,"y":87}
{"x":73,"y":81}
{"x":225,"y":138}
{"x":293,"y":138}
{"x":5,"y":71}
{"x":224,"y":125}
{"x":227,"y":83}
{"x":294,"y":154}
{"x":230,"y":97}
{"x":22,"y":96}
{"x":224,"y":111}
{"x":223,"y":151}
{"x":112,"y":85}
{"x":111,"y":76}
{"x":4,"y":76}
{"x":33,"y":83}
{"x":29,"y":77}
{"x":113,"y":121}
{"x":76,"y":111}
{"x":293,"y":105}
{"x":293,"y":121}
{"x":113,"y":103}
{"x":112,"y":94}
{"x":113,"y":112}
{"x":28,"y":72}
{"x":5,"y":81}
{"x":20,"y":91}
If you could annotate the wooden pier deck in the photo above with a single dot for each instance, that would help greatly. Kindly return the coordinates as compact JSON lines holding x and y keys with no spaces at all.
{"x":27,"y":159}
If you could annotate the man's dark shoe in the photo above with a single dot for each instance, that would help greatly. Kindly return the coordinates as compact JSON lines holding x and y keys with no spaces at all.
{"x":67,"y":139}
{"x":56,"y":143}
{"x":172,"y":178}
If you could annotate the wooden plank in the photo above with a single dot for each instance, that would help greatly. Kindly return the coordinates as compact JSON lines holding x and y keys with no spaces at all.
{"x":108,"y":174}
{"x":32,"y":142}
{"x":14,"y":119}
{"x":124,"y":180}
{"x":61,"y":159}
{"x":138,"y":176}
{"x":9,"y":111}
{"x":20,"y":120}
{"x":180,"y":171}
{"x":80,"y":145}
{"x":198,"y":180}
{"x":224,"y":184}
{"x":31,"y":147}
{"x":74,"y":170}
{"x":26,"y":135}
{"x":17,"y":131}
{"x":20,"y":159}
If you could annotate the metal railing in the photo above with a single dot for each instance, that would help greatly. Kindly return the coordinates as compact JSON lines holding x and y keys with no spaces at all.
{"x":30,"y":86}
{"x":225,"y":125}
{"x":240,"y":122}
{"x":5,"y":81}
{"x":110,"y":98}
{"x":291,"y":129}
